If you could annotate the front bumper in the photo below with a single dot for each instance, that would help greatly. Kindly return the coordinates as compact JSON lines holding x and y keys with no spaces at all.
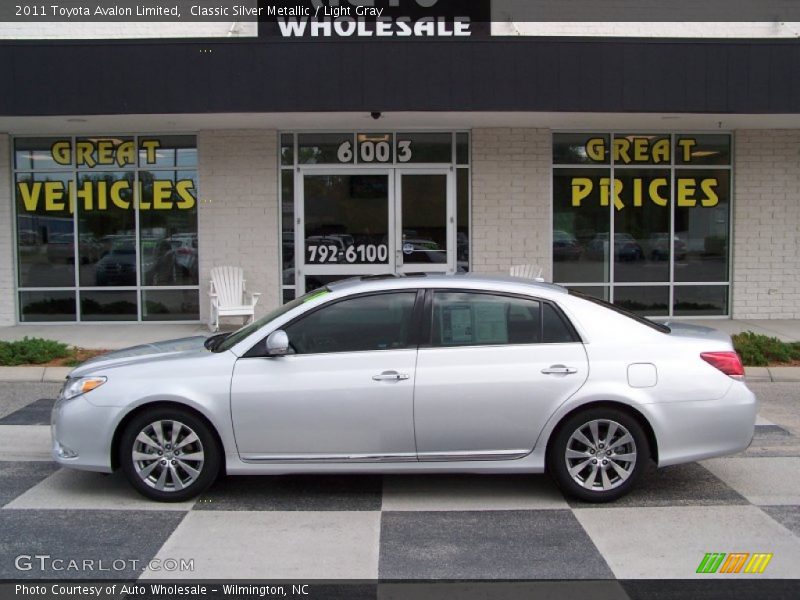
{"x":81,"y":434}
{"x":689,"y":431}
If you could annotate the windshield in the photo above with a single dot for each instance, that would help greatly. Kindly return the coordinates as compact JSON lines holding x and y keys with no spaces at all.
{"x":622,"y":311}
{"x":240,"y":334}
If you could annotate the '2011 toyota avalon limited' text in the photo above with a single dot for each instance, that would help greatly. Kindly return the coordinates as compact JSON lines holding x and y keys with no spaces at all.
{"x":413,"y":374}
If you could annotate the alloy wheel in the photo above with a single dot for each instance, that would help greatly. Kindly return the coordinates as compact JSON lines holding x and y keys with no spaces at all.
{"x":600,"y":455}
{"x":168,"y":455}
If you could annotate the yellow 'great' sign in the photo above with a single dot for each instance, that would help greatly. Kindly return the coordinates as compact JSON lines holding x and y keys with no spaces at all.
{"x":101,"y":194}
{"x":689,"y":191}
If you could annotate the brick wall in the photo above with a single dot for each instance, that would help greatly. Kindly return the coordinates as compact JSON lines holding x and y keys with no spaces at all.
{"x":766,"y":251}
{"x":7,"y":304}
{"x":511,"y":199}
{"x":238,"y":211}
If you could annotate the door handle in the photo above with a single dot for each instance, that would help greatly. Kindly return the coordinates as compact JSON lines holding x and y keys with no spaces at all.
{"x":390,"y":376}
{"x":559,"y":370}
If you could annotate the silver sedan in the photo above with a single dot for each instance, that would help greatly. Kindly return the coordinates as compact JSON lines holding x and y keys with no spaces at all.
{"x":413,"y":374}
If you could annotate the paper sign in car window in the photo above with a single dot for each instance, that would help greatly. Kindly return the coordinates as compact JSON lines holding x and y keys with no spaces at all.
{"x":491,"y":324}
{"x":456,"y":324}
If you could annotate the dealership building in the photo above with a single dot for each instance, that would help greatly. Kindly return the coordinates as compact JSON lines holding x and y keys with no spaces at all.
{"x":660,"y":173}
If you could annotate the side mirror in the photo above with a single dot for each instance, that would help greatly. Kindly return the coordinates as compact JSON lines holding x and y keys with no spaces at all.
{"x":278,"y":343}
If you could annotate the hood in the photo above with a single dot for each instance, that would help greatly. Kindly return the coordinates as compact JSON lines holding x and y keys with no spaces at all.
{"x":142,"y":353}
{"x":682,"y":329}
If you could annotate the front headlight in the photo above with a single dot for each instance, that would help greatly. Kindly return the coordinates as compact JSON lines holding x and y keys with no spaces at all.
{"x":81,"y":385}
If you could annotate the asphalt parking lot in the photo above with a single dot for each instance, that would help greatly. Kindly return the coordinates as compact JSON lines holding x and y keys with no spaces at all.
{"x":400,"y":527}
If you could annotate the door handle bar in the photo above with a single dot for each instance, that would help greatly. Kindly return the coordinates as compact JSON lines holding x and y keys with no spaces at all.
{"x":559,"y":370}
{"x":390,"y":376}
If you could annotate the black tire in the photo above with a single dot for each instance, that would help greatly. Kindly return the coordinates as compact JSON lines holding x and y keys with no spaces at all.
{"x":636,"y":455}
{"x":179,"y":482}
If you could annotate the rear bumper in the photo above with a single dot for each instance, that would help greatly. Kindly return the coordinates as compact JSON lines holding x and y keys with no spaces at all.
{"x":689,"y":431}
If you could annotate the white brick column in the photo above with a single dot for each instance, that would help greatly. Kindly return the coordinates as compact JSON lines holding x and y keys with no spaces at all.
{"x":766,"y":250}
{"x":7,"y":268}
{"x":238,"y":210}
{"x":511,"y":199}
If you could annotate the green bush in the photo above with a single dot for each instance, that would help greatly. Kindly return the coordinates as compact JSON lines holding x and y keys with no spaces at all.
{"x":31,"y":351}
{"x":760,"y":350}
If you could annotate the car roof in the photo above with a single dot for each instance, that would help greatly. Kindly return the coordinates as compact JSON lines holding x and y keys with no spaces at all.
{"x":433,"y":280}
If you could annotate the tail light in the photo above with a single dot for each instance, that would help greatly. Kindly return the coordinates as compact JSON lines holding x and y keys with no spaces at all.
{"x":727,"y":362}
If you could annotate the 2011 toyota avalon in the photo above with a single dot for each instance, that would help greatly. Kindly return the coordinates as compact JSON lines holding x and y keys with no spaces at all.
{"x":413,"y":374}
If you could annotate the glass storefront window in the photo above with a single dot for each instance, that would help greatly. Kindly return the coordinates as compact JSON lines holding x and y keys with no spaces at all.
{"x":462,"y":149}
{"x":287,"y":150}
{"x":77,"y":227}
{"x":287,"y":220}
{"x":47,"y":306}
{"x":106,"y":229}
{"x":326,"y":148}
{"x":581,"y":225}
{"x":700,"y":300}
{"x":641,"y":225}
{"x":665,"y":200}
{"x":167,"y":151}
{"x":706,"y":149}
{"x":108,"y":306}
{"x":462,"y":220}
{"x":45,"y":230}
{"x":424,"y":148}
{"x":105,"y":152}
{"x":169,"y":305}
{"x":375,"y":148}
{"x":580,"y":148}
{"x":168,"y":228}
{"x":42,"y":153}
{"x":702,"y":222}
{"x":644,"y":300}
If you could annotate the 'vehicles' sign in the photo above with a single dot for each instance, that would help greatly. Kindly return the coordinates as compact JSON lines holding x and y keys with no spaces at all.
{"x":103,"y":189}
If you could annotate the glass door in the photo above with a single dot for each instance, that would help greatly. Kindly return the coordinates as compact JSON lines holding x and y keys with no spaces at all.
{"x":425,"y":230}
{"x":344,"y":226}
{"x":372,"y":222}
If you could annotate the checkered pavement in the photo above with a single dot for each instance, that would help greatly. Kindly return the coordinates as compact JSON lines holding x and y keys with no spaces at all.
{"x":401,"y":527}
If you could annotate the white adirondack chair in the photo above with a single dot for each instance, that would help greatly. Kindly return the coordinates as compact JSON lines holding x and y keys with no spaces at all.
{"x":526,"y":271}
{"x":227,"y":289}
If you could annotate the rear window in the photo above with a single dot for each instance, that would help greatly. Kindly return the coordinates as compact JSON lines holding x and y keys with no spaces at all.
{"x":623,"y":312}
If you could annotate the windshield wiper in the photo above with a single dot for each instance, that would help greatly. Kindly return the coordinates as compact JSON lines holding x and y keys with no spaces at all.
{"x":213,"y":341}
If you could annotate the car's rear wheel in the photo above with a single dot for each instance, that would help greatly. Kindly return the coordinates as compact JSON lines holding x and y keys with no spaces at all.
{"x":597,"y":455}
{"x":169,"y":454}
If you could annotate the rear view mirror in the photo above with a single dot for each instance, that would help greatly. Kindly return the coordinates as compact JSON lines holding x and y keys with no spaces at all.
{"x":278,"y":343}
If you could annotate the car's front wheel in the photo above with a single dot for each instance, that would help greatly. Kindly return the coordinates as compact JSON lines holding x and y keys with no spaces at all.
{"x":598,"y":454}
{"x":169,"y":454}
